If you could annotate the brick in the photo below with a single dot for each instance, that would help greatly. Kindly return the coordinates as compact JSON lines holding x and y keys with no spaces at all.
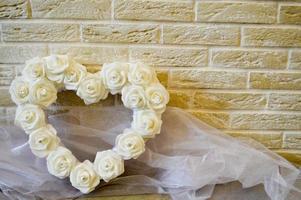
{"x":219,"y":120}
{"x":271,"y":140}
{"x":72,"y":9}
{"x":122,"y":33}
{"x":13,"y":9}
{"x":281,"y":37}
{"x":162,"y":76}
{"x":275,"y":80}
{"x":295,"y":62}
{"x":3,"y":120}
{"x":208,"y":79}
{"x":290,"y":14}
{"x":285,"y":101}
{"x":92,"y":54}
{"x":7,"y":74}
{"x":222,"y":100}
{"x":266,"y":121}
{"x":292,"y":140}
{"x":163,"y":10}
{"x":237,"y":12}
{"x":69,"y":98}
{"x":180,"y":98}
{"x":168,"y":56}
{"x":21,"y":53}
{"x":293,"y":156}
{"x":250,"y":59}
{"x":37,"y":32}
{"x":201,"y":34}
{"x":5,"y":98}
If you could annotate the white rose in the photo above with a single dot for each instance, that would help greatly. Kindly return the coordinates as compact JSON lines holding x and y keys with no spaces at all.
{"x":147,"y":123}
{"x":108,"y":165}
{"x":157,"y":97}
{"x":73,"y":75}
{"x":114,"y":76}
{"x":43,"y":140}
{"x":43,"y":93}
{"x":60,"y":162}
{"x":129,"y":144}
{"x":91,"y":89}
{"x":84,"y":178}
{"x":30,"y":117}
{"x":140,"y":74}
{"x":133,"y":97}
{"x":55,"y":67}
{"x":19,"y":90}
{"x":34,"y":69}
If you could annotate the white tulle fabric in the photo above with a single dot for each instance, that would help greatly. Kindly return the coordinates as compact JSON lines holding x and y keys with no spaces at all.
{"x":186,"y":160}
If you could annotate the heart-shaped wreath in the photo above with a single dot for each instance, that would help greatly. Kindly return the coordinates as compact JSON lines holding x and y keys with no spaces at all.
{"x":37,"y":88}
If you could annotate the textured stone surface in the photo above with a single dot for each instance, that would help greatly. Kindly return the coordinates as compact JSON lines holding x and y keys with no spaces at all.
{"x":219,"y":120}
{"x":290,"y":14}
{"x":203,"y":99}
{"x":3,"y":120}
{"x":268,"y":139}
{"x":13,"y":9}
{"x":91,"y":54}
{"x":208,"y":79}
{"x":7,"y":74}
{"x":266,"y":121}
{"x":162,"y":76}
{"x":20,"y":53}
{"x":73,"y":9}
{"x":250,"y":59}
{"x":154,"y":10}
{"x":123,"y":33}
{"x":282,"y":37}
{"x":295,"y":60}
{"x":5,"y":98}
{"x":293,"y":156}
{"x":237,"y":12}
{"x":69,"y":98}
{"x":180,"y":98}
{"x":201,"y":34}
{"x":274,"y":80}
{"x":170,"y":56}
{"x":285,"y":101}
{"x":292,"y":140}
{"x":40,"y":32}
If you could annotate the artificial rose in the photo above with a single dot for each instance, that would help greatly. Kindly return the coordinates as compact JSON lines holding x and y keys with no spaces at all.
{"x":43,"y":141}
{"x":91,"y":89}
{"x":129,"y":144}
{"x":84,"y":178}
{"x":43,"y":93}
{"x":108,"y":165}
{"x":157,"y":97}
{"x":19,"y":90}
{"x":114,"y":76}
{"x":133,"y":97}
{"x":30,"y":117}
{"x":34,"y":69}
{"x":140,"y":74}
{"x":60,"y":162}
{"x":73,"y":75}
{"x":55,"y":67}
{"x":147,"y":123}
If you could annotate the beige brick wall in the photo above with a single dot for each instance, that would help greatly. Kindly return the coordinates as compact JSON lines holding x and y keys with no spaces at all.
{"x":234,"y":64}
